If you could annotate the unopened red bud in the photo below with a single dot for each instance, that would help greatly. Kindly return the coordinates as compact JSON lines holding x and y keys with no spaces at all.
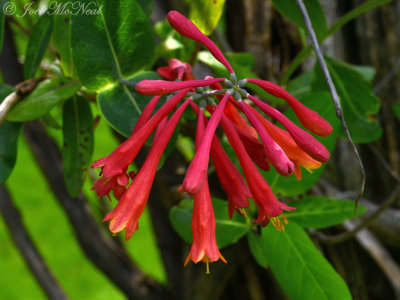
{"x":162,"y":87}
{"x":309,"y":118}
{"x":186,"y":28}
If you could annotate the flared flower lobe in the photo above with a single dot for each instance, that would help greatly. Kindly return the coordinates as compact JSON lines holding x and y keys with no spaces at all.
{"x":131,"y":205}
{"x":176,"y":70}
{"x":204,"y":247}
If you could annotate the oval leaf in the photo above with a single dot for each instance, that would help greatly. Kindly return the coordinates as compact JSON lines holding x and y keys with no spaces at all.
{"x":61,"y":39}
{"x":205,"y":14}
{"x":396,"y":110}
{"x":78,"y":142}
{"x":227,"y":231}
{"x":290,"y":10}
{"x":256,"y":249}
{"x":38,"y":42}
{"x":299,"y":267}
{"x":9,"y":132}
{"x":46,"y":95}
{"x":321,"y":212}
{"x":114,"y":43}
{"x":122,"y":106}
{"x":357,"y":98}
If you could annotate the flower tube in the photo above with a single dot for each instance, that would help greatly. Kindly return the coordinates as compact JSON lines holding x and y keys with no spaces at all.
{"x":131,"y":205}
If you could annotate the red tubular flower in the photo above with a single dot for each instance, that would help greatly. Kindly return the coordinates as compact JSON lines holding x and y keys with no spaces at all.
{"x":283,"y":138}
{"x":186,"y":28}
{"x":247,"y":133}
{"x":274,"y":152}
{"x":287,"y":150}
{"x":233,"y":115}
{"x":204,"y":247}
{"x":229,"y":176}
{"x":254,"y":148}
{"x":269,"y":206}
{"x":231,"y":112}
{"x":309,"y":118}
{"x":197,"y":170}
{"x":176,"y":70}
{"x":124,"y":154}
{"x":303,"y":139}
{"x":162,"y":87}
{"x":146,"y":113}
{"x":117,"y":184}
{"x":131,"y":205}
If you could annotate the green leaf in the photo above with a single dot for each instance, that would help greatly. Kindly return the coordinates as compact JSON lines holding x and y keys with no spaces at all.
{"x":396,"y":110}
{"x":290,"y":10}
{"x":205,"y":14}
{"x":256,"y":249}
{"x":290,"y":186}
{"x":299,"y":267}
{"x":147,"y":6}
{"x":321,"y":212}
{"x":359,"y":10}
{"x":61,"y":39}
{"x":113,"y":44}
{"x":367,"y":72}
{"x":300,"y":86}
{"x":296,"y":62}
{"x":122,"y":106}
{"x":9,"y":132}
{"x":358,"y":101}
{"x":38,"y":42}
{"x":228,"y":231}
{"x":46,"y":95}
{"x":78,"y":142}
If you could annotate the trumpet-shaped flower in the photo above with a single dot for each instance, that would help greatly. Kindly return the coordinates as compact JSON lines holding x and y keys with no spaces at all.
{"x":255,"y":142}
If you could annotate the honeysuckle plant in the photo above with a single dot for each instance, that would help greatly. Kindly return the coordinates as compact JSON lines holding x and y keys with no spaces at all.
{"x":166,"y":117}
{"x":255,"y":142}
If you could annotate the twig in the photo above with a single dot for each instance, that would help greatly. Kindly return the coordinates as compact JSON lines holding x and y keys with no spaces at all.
{"x":19,"y":25}
{"x":21,"y":90}
{"x":334,"y":94}
{"x":27,"y":248}
{"x":7,"y":104}
{"x":384,"y":163}
{"x":334,"y":239}
{"x":382,"y":257}
{"x":127,"y":82}
{"x":389,"y":76}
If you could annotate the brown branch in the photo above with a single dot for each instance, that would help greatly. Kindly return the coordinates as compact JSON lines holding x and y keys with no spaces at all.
{"x":338,"y":238}
{"x":379,"y":253}
{"x":27,"y":248}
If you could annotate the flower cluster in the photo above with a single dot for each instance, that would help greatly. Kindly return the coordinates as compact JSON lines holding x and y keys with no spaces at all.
{"x":257,"y":143}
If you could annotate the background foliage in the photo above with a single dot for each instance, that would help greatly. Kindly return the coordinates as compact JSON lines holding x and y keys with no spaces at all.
{"x":83,"y":64}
